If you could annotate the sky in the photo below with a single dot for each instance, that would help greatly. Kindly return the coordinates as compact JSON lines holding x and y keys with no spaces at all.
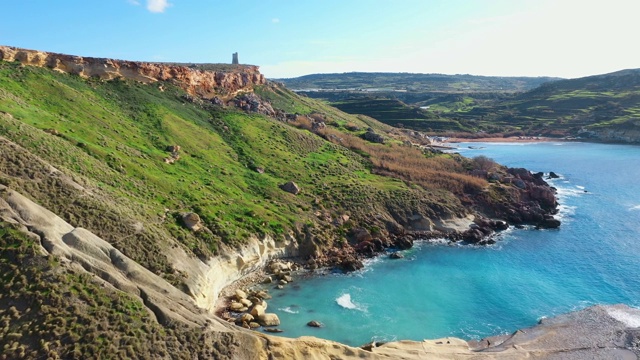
{"x":289,"y":38}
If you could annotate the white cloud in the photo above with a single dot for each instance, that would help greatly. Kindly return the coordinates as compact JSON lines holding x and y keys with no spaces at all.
{"x":275,"y":20}
{"x":157,"y":6}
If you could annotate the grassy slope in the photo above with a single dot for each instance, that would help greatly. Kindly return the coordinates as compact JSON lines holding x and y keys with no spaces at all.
{"x":111,"y":137}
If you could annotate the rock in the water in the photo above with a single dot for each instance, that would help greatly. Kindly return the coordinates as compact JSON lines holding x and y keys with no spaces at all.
{"x":257,"y":311}
{"x":246,"y":318}
{"x":269,"y":319}
{"x":549,"y":223}
{"x":396,"y":255}
{"x":254,"y":325}
{"x":273,"y":330}
{"x":553,"y":175}
{"x":314,"y":323}
{"x":351,"y":264}
{"x":192,"y":221}
{"x":291,"y":187}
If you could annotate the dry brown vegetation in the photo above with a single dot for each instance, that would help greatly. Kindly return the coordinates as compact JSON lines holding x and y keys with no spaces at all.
{"x":406,"y":163}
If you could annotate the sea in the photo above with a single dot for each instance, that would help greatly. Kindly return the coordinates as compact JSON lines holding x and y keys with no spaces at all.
{"x":440,"y":289}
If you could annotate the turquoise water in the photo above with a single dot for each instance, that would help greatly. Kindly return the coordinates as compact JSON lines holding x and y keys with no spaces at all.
{"x":441,"y":290}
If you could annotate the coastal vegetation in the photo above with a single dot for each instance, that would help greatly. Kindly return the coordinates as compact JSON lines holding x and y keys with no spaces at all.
{"x":157,"y":171}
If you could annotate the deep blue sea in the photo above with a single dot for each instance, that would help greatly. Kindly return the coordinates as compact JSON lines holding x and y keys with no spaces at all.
{"x":471,"y":292}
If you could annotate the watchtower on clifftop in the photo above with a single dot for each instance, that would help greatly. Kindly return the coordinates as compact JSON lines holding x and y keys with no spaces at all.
{"x":234,"y":59}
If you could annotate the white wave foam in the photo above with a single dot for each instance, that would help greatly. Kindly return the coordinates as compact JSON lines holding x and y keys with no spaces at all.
{"x":344,"y":300}
{"x":629,"y":318}
{"x":580,"y":187}
{"x":637,"y":207}
{"x":289,"y":310}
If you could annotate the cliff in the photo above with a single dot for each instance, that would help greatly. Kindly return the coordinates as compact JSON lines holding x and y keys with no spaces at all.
{"x":202,"y":83}
{"x":601,"y":332}
{"x":84,"y":174}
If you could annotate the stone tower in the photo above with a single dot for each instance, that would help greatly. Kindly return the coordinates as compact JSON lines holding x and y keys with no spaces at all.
{"x":234,"y":59}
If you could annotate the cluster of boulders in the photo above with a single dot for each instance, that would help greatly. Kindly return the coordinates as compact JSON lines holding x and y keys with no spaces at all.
{"x":480,"y":232}
{"x":531,"y":199}
{"x":251,"y":102}
{"x":248,"y":309}
{"x":280,"y":272}
{"x":344,"y":258}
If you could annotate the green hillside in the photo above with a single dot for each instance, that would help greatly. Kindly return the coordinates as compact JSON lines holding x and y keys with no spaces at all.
{"x":127,"y":161}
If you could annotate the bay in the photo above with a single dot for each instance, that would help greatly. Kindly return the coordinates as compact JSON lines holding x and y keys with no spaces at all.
{"x":471,"y":292}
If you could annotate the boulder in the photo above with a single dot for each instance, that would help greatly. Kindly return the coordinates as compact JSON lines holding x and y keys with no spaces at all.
{"x":240,"y":294}
{"x":361,"y":234}
{"x":254,"y":325}
{"x":350,"y":264}
{"x":291,"y":187}
{"x":246,"y":302}
{"x":373,"y":137}
{"x":396,"y":255}
{"x":403,"y":243}
{"x":257,"y":311}
{"x":246,"y":318}
{"x":549,"y":223}
{"x":553,"y":175}
{"x":192,"y":221}
{"x":235,"y":306}
{"x":519,"y":183}
{"x":314,"y":323}
{"x":269,"y":319}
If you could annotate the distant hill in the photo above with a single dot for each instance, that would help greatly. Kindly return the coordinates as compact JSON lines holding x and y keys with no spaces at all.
{"x":416,"y":101}
{"x":604,"y":107}
{"x":413,"y":82}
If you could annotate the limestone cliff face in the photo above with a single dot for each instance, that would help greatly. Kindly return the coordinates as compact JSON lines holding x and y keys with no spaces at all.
{"x":202,"y":83}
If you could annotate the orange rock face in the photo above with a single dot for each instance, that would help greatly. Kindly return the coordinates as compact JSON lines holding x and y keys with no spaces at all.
{"x":201,"y":83}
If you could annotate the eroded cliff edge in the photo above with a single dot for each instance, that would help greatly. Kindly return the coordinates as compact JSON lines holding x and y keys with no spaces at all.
{"x":601,"y":332}
{"x":226,"y":82}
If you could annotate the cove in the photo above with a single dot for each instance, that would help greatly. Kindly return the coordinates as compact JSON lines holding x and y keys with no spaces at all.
{"x":471,"y":292}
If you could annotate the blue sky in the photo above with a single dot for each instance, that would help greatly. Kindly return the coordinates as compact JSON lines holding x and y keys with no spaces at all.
{"x":287,"y":38}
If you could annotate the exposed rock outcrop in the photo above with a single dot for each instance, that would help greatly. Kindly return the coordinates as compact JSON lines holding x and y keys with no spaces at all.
{"x":598,"y":332}
{"x":207,"y":84}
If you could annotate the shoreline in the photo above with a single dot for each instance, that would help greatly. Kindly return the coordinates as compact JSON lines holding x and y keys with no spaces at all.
{"x":512,"y":139}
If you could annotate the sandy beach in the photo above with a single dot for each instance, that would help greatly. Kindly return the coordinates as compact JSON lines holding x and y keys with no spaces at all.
{"x":514,"y":139}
